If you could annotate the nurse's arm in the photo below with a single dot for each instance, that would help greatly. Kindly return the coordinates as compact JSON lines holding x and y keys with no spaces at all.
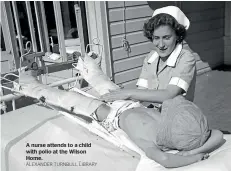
{"x":156,"y":96}
{"x":169,"y":160}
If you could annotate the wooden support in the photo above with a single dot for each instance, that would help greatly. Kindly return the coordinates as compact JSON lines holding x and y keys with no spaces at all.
{"x":18,"y":27}
{"x":31,"y":26}
{"x":39,"y":25}
{"x":40,"y":31}
{"x":3,"y":104}
{"x":5,"y":30}
{"x":227,"y":36}
{"x":80,"y":28}
{"x":7,"y":14}
{"x":10,"y":97}
{"x":44,"y":26}
{"x":34,"y":55}
{"x":59,"y":66}
{"x":50,"y":68}
{"x":60,"y":33}
{"x":16,"y":96}
{"x":96,"y":13}
{"x":66,"y":16}
{"x":65,"y":81}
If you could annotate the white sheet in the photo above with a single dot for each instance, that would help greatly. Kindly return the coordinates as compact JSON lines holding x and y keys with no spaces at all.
{"x":218,"y":160}
{"x":63,"y":130}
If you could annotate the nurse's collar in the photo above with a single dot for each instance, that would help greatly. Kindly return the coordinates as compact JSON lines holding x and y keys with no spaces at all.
{"x":171,"y":61}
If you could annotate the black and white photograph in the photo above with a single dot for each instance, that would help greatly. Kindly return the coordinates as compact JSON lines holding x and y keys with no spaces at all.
{"x":115,"y":85}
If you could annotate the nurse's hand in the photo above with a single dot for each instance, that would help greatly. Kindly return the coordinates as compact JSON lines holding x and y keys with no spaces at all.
{"x":120,"y":94}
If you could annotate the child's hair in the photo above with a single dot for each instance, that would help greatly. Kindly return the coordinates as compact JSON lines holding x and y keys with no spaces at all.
{"x":160,"y":20}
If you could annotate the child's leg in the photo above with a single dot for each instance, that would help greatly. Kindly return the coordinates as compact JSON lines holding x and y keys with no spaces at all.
{"x":71,"y":101}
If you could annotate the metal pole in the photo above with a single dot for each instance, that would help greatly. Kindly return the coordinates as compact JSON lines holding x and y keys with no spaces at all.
{"x":10,"y":97}
{"x":44,"y":21}
{"x":13,"y":104}
{"x":31,"y":26}
{"x":5,"y":30}
{"x":39,"y":25}
{"x":18,"y":28}
{"x":7,"y":14}
{"x":59,"y":26}
{"x":80,"y":28}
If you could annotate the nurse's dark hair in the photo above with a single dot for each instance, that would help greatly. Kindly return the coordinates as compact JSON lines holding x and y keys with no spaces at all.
{"x":160,"y":20}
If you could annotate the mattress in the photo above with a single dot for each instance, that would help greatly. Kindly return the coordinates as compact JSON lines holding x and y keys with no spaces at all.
{"x":26,"y":130}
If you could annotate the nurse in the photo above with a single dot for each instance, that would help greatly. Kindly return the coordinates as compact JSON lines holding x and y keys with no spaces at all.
{"x":170,"y":69}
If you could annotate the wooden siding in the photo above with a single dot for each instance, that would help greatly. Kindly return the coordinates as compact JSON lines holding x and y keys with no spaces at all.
{"x":227,"y":37}
{"x":137,"y":49}
{"x":206,"y":15}
{"x":131,"y":26}
{"x":129,"y":63}
{"x":127,"y":75}
{"x":131,"y":13}
{"x":127,"y":66}
{"x":193,"y":6}
{"x":130,"y":84}
{"x":133,"y":38}
{"x":205,"y":35}
{"x":197,"y":27}
{"x":116,"y":4}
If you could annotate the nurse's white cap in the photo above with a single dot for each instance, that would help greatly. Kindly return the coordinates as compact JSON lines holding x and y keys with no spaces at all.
{"x":174,"y":12}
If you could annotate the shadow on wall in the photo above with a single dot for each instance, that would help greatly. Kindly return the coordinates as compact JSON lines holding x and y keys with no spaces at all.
{"x":223,"y":68}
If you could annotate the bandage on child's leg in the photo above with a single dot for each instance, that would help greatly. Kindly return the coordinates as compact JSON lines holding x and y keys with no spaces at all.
{"x":71,"y":101}
{"x":92,"y":73}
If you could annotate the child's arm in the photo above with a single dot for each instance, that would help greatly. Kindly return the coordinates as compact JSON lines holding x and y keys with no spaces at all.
{"x":213,"y":142}
{"x":166,"y":159}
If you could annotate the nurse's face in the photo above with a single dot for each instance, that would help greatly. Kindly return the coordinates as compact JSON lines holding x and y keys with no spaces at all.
{"x":164,"y":40}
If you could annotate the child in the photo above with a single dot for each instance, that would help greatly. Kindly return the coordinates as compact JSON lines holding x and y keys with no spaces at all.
{"x":180,"y":126}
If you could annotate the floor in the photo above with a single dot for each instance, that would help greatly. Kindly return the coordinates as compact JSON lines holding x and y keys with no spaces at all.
{"x":213,"y":96}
